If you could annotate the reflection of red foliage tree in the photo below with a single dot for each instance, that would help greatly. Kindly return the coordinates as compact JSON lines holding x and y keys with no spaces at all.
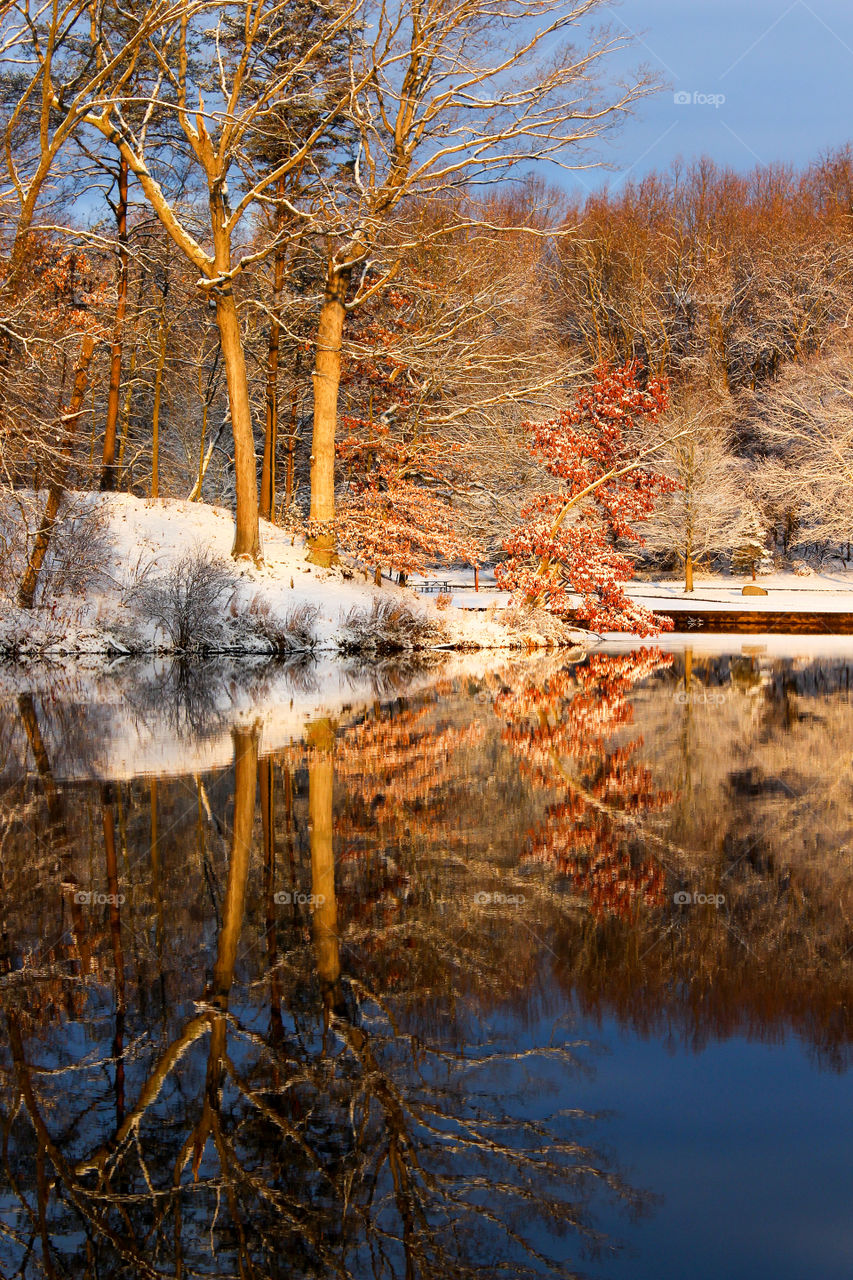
{"x":563,"y":732}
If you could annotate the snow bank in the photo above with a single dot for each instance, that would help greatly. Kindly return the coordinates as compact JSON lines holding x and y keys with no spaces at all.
{"x":786,"y":593}
{"x":143,"y":538}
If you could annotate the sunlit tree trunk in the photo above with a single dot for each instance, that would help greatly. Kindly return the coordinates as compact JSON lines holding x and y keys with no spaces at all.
{"x":290,"y":464}
{"x":321,"y":782}
{"x":162,"y":333}
{"x":203,"y":400}
{"x":327,"y":381}
{"x":128,"y":395}
{"x":247,"y":540}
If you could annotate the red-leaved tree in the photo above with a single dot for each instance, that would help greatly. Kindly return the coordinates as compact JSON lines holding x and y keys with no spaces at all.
{"x":567,"y":543}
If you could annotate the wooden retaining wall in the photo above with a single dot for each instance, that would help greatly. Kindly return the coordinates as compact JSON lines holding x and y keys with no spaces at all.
{"x":753,"y":622}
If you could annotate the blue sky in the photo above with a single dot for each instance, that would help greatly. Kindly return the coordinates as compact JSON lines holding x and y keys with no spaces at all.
{"x":783,"y":67}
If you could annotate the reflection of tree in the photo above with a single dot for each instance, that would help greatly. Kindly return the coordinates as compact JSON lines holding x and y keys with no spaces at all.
{"x":330,"y":1139}
{"x":563,"y":732}
{"x":342,"y":1091}
{"x":761,"y":816}
{"x":402,"y":767}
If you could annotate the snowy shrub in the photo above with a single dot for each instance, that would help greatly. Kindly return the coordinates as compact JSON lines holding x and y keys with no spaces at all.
{"x":77,"y":553}
{"x":188,"y":601}
{"x":299,"y":623}
{"x":390,"y":626}
{"x":443,"y":600}
{"x":24,"y":634}
{"x":289,"y":634}
{"x":133,"y":577}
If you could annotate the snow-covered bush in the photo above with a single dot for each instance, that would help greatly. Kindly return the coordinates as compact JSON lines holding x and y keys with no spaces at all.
{"x":24,"y":634}
{"x":189,"y":601}
{"x":390,"y":626}
{"x":79,"y":545}
{"x":293,"y":633}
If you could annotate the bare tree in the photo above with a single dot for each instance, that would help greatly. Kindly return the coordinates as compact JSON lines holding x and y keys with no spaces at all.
{"x":804,"y":424}
{"x":221,"y":101}
{"x":454,"y":92}
{"x":707,"y":513}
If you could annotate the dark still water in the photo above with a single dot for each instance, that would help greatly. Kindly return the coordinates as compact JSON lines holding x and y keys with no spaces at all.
{"x":538,"y":969}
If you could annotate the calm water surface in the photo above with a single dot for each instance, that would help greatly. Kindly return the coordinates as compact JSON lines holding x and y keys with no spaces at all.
{"x":538,"y":970}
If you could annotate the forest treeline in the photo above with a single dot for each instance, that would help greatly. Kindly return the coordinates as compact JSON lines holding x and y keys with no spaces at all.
{"x":300,"y":259}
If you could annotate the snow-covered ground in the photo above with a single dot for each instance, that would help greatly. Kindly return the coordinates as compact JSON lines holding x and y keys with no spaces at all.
{"x":786,"y":592}
{"x":141,"y":539}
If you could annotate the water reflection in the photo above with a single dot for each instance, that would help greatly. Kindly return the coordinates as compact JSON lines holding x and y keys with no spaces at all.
{"x":284,"y":1017}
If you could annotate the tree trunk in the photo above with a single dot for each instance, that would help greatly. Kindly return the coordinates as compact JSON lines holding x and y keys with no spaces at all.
{"x":195,"y":495}
{"x":70,"y":420}
{"x":291,"y":441}
{"x":128,"y":395}
{"x":247,"y":538}
{"x":109,"y":474}
{"x":321,"y":781}
{"x":688,"y":572}
{"x":271,"y":429}
{"x":326,"y":379}
{"x":158,"y":391}
{"x":108,"y":818}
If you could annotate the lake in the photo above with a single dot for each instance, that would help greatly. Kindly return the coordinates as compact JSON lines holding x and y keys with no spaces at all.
{"x":504,"y":966}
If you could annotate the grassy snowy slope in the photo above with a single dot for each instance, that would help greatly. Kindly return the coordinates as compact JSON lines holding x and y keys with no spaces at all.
{"x":139,"y":542}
